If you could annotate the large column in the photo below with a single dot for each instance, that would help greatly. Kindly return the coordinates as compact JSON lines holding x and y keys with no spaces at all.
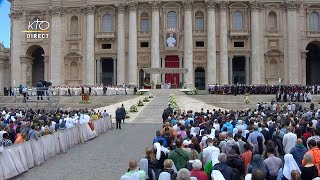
{"x":211,"y":43}
{"x":90,"y":60}
{"x":132,"y":70}
{"x":188,"y":44}
{"x":155,"y":43}
{"x":16,"y":46}
{"x":114,"y":71}
{"x":293,"y":55}
{"x":247,"y":70}
{"x":2,"y":84}
{"x":56,"y":46}
{"x":255,"y":43}
{"x":121,"y":65}
{"x":46,"y":68}
{"x":224,"y":69}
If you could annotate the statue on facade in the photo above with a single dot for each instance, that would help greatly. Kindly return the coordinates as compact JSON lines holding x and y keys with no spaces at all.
{"x":171,"y":41}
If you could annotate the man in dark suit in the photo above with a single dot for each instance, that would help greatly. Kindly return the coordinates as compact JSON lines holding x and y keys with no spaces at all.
{"x":123,"y":112}
{"x":82,"y":90}
{"x":118,"y":118}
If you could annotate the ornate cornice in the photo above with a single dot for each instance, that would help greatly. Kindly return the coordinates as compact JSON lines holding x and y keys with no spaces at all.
{"x":16,"y":14}
{"x":56,"y":10}
{"x":187,"y":5}
{"x":155,"y":5}
{"x":121,"y":7}
{"x":211,"y":4}
{"x":133,"y":6}
{"x":89,"y":9}
{"x":30,"y":12}
{"x":255,"y":5}
{"x":223,"y":5}
{"x":74,"y":10}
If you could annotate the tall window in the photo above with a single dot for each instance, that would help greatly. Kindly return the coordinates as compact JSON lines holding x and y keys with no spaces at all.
{"x":74,"y":25}
{"x":237,"y":21}
{"x":272,"y":21}
{"x":314,"y":22}
{"x":172,"y":19}
{"x":107,"y":23}
{"x":144,"y":22}
{"x":199,"y":21}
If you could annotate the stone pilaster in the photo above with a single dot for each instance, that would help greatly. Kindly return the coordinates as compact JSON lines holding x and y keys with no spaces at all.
{"x":293,"y":52}
{"x":132,"y":70}
{"x":211,"y":43}
{"x":256,"y":60}
{"x":56,"y":46}
{"x":121,"y":45}
{"x":155,"y":42}
{"x":224,"y":68}
{"x":188,"y":44}
{"x":16,"y":25}
{"x":2,"y":80}
{"x":90,"y":60}
{"x":46,"y":68}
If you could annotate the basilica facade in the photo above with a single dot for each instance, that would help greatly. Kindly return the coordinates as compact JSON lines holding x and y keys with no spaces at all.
{"x":94,"y":42}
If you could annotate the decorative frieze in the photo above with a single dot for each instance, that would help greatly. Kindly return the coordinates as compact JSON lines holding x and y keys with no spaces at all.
{"x":187,"y":5}
{"x":255,"y":5}
{"x":89,"y":9}
{"x":16,"y":14}
{"x":74,"y":10}
{"x":133,"y":6}
{"x":292,"y":5}
{"x":56,"y":11}
{"x":121,"y":7}
{"x":155,"y":5}
{"x":211,"y":4}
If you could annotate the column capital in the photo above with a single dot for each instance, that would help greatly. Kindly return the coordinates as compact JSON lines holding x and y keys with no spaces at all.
{"x":16,"y":14}
{"x":291,"y":5}
{"x":133,"y":6}
{"x":211,"y":4}
{"x":121,"y":7}
{"x":187,"y":5}
{"x":223,"y":5}
{"x":89,"y":9}
{"x":56,"y":10}
{"x":155,"y":5}
{"x":255,"y":5}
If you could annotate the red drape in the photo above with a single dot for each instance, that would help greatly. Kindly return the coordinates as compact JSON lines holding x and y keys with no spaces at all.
{"x":172,"y":62}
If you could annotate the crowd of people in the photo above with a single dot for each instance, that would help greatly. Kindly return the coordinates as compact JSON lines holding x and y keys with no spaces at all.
{"x":72,"y":90}
{"x":265,"y":143}
{"x":262,"y":89}
{"x":18,"y":126}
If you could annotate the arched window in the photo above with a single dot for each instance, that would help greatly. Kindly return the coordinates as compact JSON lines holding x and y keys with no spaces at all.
{"x":272,"y":21}
{"x":74,"y":25}
{"x":144,"y":22}
{"x":314,"y":22}
{"x":237,"y":21}
{"x":107,"y":23}
{"x":199,"y":21}
{"x":172,"y":19}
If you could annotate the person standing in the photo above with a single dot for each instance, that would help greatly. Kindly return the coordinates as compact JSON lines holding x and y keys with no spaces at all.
{"x":118,"y":118}
{"x":179,"y":156}
{"x":289,"y":140}
{"x":123,"y":112}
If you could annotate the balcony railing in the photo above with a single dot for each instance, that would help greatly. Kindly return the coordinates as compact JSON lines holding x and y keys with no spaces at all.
{"x":240,"y":32}
{"x":313,"y":33}
{"x":106,"y":35}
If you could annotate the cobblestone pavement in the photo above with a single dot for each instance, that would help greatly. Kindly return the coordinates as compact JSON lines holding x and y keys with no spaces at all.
{"x":105,"y":157}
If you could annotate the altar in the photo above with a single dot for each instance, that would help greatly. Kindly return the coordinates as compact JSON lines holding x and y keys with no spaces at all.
{"x":172,"y":83}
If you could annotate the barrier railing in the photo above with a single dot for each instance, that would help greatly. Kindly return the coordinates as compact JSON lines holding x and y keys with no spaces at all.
{"x":19,"y":158}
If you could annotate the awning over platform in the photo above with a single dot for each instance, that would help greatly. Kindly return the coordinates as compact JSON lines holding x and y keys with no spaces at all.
{"x":164,"y":70}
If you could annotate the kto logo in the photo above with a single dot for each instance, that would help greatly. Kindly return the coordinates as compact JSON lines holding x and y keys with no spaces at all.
{"x":38,"y":29}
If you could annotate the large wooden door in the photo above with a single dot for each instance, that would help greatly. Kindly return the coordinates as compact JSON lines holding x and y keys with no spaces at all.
{"x":173,"y":78}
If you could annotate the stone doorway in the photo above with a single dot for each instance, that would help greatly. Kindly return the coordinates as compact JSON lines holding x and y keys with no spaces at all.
{"x":173,"y":78}
{"x":200,"y":78}
{"x":239,"y":70}
{"x":313,"y":63}
{"x":35,"y":72}
{"x":107,"y":72}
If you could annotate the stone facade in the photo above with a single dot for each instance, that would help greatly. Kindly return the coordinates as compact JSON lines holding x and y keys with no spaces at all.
{"x":218,"y":41}
{"x":4,"y":68}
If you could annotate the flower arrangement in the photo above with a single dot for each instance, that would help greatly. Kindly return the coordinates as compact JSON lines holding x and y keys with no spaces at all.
{"x":139,"y":93}
{"x":246,"y":99}
{"x":193,"y":92}
{"x":150,"y":96}
{"x":85,"y":102}
{"x":146,"y":99}
{"x":172,"y":101}
{"x":133,"y":108}
{"x":140,"y":103}
{"x":127,"y":114}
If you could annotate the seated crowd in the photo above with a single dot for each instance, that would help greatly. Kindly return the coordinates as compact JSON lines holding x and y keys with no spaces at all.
{"x":260,"y":144}
{"x":17,"y":126}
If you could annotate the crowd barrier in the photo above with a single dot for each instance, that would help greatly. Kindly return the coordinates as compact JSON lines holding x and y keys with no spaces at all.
{"x":19,"y":158}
